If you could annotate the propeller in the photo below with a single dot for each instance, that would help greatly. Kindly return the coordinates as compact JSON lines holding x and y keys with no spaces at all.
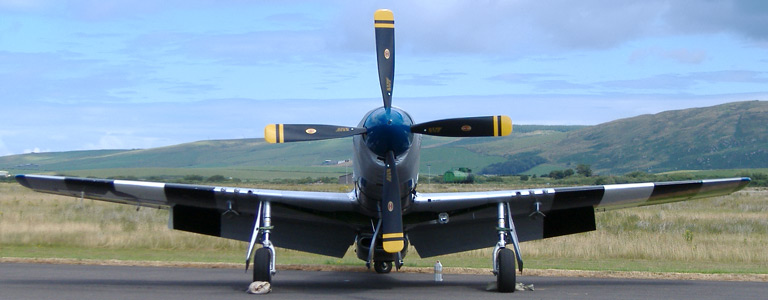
{"x":466,"y":127}
{"x":283,"y":133}
{"x":392,"y":237}
{"x":384,"y":24}
{"x":391,"y":211}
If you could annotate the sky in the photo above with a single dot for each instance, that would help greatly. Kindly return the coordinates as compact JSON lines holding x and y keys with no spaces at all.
{"x":91,"y":74}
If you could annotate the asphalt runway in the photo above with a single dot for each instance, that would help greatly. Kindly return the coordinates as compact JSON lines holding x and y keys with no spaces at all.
{"x":43,"y":281}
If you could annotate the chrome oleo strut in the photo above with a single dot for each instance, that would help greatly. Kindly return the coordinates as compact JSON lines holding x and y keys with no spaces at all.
{"x":506,"y":230}
{"x":263,"y":216}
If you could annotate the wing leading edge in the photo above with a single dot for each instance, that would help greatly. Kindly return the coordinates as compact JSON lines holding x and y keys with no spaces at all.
{"x":542,"y":213}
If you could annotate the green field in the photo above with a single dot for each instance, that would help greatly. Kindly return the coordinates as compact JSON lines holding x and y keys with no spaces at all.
{"x":719,"y":235}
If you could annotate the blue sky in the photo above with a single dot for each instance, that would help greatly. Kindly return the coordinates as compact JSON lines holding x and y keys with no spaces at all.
{"x":78,"y":75}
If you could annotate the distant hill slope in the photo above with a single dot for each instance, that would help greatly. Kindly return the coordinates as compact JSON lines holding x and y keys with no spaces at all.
{"x":733,"y":135}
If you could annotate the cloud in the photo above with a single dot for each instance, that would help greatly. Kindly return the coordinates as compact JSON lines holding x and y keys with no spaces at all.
{"x":94,"y":10}
{"x":748,"y":18}
{"x":540,"y":81}
{"x":674,"y":81}
{"x":62,"y":77}
{"x":259,"y":46}
{"x":512,"y":28}
{"x":502,"y":27}
{"x":436,"y":79}
{"x":521,"y":28}
{"x":35,"y":150}
{"x":684,"y":56}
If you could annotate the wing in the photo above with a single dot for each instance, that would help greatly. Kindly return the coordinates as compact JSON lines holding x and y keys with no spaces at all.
{"x":540,"y":213}
{"x":308,"y":220}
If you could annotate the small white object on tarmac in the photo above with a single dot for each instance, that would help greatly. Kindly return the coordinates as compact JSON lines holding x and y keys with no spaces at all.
{"x":259,"y":288}
{"x":438,"y":271}
{"x":518,"y":286}
{"x":523,"y":287}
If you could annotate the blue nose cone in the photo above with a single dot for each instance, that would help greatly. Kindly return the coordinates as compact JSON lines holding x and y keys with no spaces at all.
{"x":388,"y":130}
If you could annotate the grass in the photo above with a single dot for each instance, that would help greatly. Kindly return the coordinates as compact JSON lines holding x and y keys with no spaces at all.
{"x":245,"y":173}
{"x":719,"y":235}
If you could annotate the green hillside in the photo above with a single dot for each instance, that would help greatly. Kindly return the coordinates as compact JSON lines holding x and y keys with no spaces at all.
{"x":727,"y":136}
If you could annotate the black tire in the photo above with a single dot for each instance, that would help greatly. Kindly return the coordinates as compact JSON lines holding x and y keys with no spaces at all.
{"x":382,"y":267}
{"x":261,"y":262}
{"x":506,"y":276}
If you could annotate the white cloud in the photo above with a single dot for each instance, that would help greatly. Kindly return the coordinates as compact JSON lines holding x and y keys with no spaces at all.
{"x":35,"y":150}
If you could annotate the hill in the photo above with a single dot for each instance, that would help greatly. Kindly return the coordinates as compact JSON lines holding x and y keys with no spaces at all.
{"x":727,"y":136}
{"x":733,"y":135}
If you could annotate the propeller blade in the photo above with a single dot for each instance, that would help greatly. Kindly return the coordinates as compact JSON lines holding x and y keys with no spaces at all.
{"x":284,"y":133}
{"x":392,"y":236}
{"x":466,"y":127}
{"x":384,"y":24}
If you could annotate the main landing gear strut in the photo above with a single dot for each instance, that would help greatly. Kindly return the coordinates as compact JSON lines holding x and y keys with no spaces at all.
{"x":504,"y":258}
{"x":264,"y":258}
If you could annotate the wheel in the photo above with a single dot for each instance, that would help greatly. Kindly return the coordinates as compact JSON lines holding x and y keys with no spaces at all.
{"x":261,"y":261}
{"x":382,"y":267}
{"x":506,"y":276}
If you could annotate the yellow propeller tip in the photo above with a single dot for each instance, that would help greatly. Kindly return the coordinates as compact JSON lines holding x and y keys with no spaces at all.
{"x":273,"y":133}
{"x":383,"y":15}
{"x":383,"y":18}
{"x":506,"y":125}
{"x":393,"y":246}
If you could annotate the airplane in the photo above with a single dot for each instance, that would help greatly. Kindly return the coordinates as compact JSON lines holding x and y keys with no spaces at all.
{"x":385,"y":212}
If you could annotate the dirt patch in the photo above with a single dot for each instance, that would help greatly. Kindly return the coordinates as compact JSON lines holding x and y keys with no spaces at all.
{"x":446,"y":270}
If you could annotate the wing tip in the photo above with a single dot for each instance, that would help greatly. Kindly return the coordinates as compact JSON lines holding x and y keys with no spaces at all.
{"x":22,"y":179}
{"x":744,"y":182}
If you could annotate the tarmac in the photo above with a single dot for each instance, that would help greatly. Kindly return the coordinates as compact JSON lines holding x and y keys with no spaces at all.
{"x":61,"y":281}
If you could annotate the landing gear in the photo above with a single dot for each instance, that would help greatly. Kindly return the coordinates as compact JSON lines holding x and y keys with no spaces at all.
{"x":264,"y":258}
{"x":504,"y":258}
{"x":506,"y":278}
{"x":261,"y":265}
{"x":382,"y":267}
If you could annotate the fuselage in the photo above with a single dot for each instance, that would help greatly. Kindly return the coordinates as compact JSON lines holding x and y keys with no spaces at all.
{"x":386,"y":130}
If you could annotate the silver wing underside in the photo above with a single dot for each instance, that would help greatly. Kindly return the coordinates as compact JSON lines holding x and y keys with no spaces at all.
{"x":327,"y":223}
